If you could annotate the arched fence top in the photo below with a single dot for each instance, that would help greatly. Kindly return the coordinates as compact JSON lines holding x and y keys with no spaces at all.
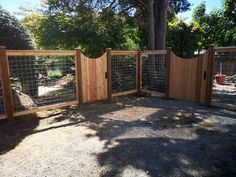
{"x":193,"y":58}
{"x":97,"y":58}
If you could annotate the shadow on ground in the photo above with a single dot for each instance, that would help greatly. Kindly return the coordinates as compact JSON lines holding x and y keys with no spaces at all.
{"x":156,"y":136}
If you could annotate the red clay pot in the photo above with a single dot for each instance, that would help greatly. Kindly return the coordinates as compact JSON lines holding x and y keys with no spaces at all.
{"x":220,"y":79}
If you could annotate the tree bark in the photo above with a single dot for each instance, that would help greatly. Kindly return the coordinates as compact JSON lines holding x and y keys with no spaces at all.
{"x":160,"y":14}
{"x":151,"y":26}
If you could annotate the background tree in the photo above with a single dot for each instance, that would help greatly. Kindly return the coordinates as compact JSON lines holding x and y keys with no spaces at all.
{"x":143,"y":10}
{"x":14,"y":36}
{"x":216,"y":28}
{"x":83,"y":29}
{"x":183,"y":38}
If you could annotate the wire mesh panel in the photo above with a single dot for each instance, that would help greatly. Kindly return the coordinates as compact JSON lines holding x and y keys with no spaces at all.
{"x":42,"y":80}
{"x":1,"y":99}
{"x":153,"y":72}
{"x":224,"y":83}
{"x":123,"y":73}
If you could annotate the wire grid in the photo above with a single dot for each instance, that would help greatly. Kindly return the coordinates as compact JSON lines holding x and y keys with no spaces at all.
{"x":225,"y":63}
{"x":1,"y":99}
{"x":123,"y":73}
{"x":153,"y":72}
{"x":42,"y":81}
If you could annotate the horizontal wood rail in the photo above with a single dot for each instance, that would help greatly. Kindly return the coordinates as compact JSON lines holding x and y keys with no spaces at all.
{"x":224,"y":49}
{"x":3,"y":116}
{"x":124,"y":52}
{"x":124,"y":93}
{"x":44,"y":108}
{"x":160,"y":94}
{"x":153,"y":52}
{"x":40,"y":52}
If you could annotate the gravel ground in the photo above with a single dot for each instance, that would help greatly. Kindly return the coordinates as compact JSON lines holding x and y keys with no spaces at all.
{"x":132,"y":136}
{"x":225,"y":95}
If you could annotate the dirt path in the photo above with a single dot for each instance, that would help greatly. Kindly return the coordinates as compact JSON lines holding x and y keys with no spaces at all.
{"x":129,"y":137}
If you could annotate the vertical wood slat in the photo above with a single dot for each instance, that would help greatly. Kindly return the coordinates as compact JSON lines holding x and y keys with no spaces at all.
{"x":139,"y":71}
{"x":199,"y":78}
{"x":168,"y":57}
{"x":94,"y":82}
{"x":6,"y":84}
{"x":77,"y":74}
{"x":184,"y":77}
{"x":79,"y":80}
{"x":209,"y":75}
{"x":203,"y":80}
{"x":109,"y":81}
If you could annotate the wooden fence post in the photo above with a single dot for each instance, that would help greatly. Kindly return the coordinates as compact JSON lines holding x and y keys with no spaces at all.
{"x":109,"y":81}
{"x":139,"y":71}
{"x":209,"y":74}
{"x":79,"y":79}
{"x":6,"y":84}
{"x":168,"y":56}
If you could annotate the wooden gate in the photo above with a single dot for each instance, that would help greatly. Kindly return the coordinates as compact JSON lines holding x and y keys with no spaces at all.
{"x":191,"y":79}
{"x":92,"y":78}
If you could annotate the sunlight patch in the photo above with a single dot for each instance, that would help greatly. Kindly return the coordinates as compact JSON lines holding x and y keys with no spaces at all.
{"x":132,"y":114}
{"x":133,"y":172}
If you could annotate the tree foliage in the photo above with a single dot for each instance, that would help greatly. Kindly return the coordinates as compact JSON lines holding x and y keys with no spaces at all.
{"x":91,"y":31}
{"x":122,"y":24}
{"x":183,"y":37}
{"x":93,"y":25}
{"x":12,"y":34}
{"x":217,"y":29}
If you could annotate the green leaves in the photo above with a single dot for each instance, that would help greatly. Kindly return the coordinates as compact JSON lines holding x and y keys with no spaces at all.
{"x":183,"y":37}
{"x":91,"y":31}
{"x":12,"y":34}
{"x":216,"y":27}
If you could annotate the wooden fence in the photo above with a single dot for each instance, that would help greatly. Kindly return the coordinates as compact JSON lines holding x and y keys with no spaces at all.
{"x":48,"y":79}
{"x":191,"y":79}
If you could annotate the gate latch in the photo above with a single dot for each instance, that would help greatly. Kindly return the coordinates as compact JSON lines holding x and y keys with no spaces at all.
{"x":106,"y":75}
{"x":204,"y":77}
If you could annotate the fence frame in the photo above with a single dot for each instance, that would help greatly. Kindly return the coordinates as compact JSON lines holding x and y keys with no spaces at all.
{"x":8,"y":99}
{"x":155,"y":52}
{"x":138,"y":74}
{"x":6,"y":82}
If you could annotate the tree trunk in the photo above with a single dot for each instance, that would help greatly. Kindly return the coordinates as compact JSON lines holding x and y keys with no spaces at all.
{"x":160,"y":13}
{"x":151,"y":26}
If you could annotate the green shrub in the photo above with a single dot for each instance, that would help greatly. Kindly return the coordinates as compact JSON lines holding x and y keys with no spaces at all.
{"x":54,"y":73}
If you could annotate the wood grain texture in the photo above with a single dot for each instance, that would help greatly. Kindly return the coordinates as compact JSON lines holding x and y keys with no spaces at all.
{"x":44,"y":108}
{"x":203,"y":80}
{"x":224,"y":49}
{"x":186,"y":78}
{"x":109,"y":82}
{"x":93,"y":72}
{"x":167,"y":65}
{"x":6,"y":84}
{"x":78,"y":74}
{"x":40,"y":52}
